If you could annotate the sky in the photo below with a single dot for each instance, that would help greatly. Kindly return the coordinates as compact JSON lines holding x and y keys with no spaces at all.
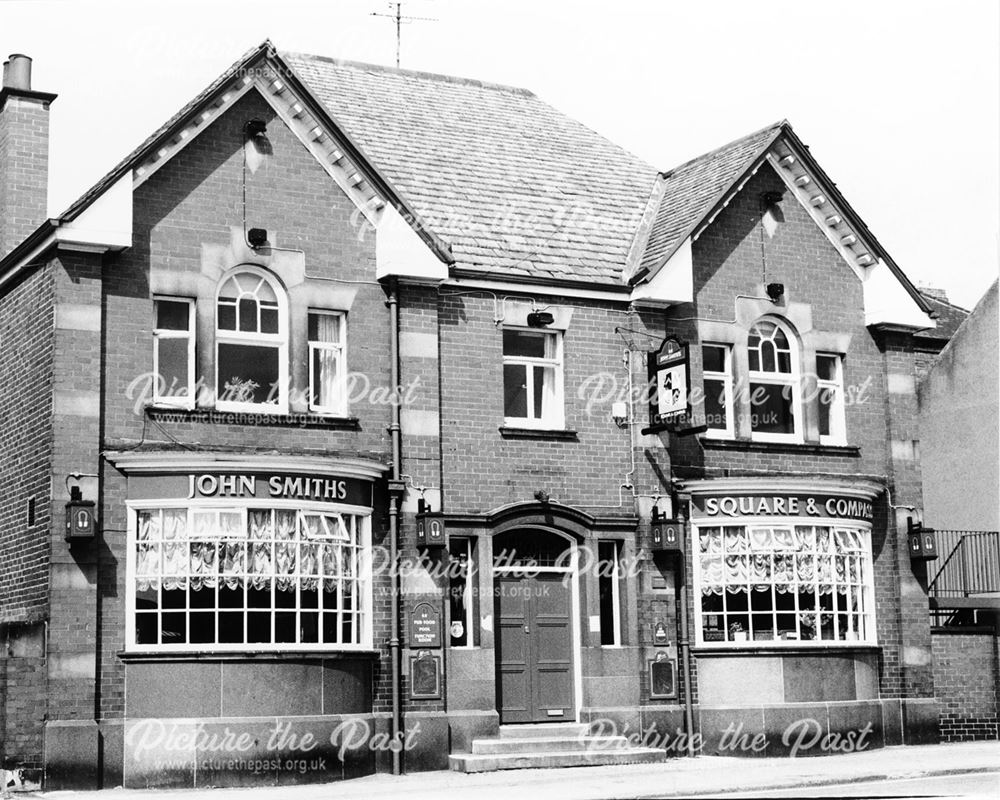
{"x":898,"y":101}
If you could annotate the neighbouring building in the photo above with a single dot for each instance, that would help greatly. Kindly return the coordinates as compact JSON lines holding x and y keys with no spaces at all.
{"x":361,"y":418}
{"x":960,"y":453}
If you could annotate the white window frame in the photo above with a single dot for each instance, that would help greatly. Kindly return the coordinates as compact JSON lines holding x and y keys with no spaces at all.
{"x":278,"y":341}
{"x":470,"y":592}
{"x":792,"y":380}
{"x":340,"y":348}
{"x":174,"y":401}
{"x":838,"y":421}
{"x":867,"y":609}
{"x":553,"y":413}
{"x":729,"y":432}
{"x":364,"y":574}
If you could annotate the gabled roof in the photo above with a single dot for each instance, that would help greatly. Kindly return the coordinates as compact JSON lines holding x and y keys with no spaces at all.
{"x":690,"y":191}
{"x":517,"y":188}
{"x":692,"y":194}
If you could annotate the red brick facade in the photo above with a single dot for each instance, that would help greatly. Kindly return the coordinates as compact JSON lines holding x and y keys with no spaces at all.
{"x":77,"y":339}
{"x":966,"y":680}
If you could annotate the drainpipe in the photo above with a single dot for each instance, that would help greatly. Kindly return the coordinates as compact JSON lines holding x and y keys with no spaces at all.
{"x":396,"y":489}
{"x":685,"y":642}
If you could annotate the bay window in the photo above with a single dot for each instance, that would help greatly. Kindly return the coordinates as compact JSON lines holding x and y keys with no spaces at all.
{"x":248,"y":577}
{"x":173,"y":352}
{"x":251,"y":343}
{"x":775,"y":397}
{"x":532,"y":378}
{"x":784,"y":583}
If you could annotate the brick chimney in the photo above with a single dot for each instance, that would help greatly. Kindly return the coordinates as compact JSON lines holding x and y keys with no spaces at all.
{"x":24,"y":153}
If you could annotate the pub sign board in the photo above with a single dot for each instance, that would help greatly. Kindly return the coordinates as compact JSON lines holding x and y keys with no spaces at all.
{"x":303,"y":487}
{"x":669,"y":389}
{"x":782,"y":505}
{"x":425,"y":676}
{"x":425,"y":626}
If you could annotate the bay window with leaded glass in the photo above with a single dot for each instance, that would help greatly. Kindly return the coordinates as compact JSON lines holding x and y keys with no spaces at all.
{"x":783,"y":584}
{"x":248,"y":577}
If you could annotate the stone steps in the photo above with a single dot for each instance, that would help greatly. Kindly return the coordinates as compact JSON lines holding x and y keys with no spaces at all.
{"x":546,"y":746}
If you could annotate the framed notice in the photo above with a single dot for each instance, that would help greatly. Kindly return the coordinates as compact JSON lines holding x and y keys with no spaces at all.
{"x":425,"y":676}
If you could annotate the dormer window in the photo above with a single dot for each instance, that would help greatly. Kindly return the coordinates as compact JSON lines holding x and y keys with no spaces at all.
{"x":251,"y":342}
{"x":775,"y":399}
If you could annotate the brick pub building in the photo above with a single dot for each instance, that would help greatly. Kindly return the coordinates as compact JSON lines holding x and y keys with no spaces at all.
{"x":328,"y":308}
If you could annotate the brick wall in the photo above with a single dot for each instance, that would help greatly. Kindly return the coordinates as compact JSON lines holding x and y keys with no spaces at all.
{"x":187,"y":232}
{"x":24,"y":159}
{"x":965,"y":682}
{"x":733,"y":257}
{"x":26,"y":321}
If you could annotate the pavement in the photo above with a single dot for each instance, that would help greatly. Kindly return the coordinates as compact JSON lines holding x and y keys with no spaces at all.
{"x":677,"y":777}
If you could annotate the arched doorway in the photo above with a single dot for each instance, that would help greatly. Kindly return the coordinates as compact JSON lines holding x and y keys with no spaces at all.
{"x":536,"y":640}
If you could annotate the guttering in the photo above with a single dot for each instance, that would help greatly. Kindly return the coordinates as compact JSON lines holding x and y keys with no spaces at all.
{"x":40,"y":240}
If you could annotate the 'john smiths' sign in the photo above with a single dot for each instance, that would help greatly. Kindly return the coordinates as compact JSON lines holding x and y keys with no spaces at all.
{"x":252,"y":486}
{"x":782,"y":505}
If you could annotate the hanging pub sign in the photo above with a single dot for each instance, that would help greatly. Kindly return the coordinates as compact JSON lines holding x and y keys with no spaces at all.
{"x":666,"y":534}
{"x":922,"y":541}
{"x":669,"y":389}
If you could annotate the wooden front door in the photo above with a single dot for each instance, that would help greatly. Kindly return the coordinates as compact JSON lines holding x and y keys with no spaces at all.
{"x":534,"y":647}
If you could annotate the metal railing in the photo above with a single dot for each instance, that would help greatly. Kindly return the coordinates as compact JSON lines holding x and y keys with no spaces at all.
{"x":969,"y":564}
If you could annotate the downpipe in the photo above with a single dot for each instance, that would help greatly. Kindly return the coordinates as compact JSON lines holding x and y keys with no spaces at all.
{"x":396,"y":488}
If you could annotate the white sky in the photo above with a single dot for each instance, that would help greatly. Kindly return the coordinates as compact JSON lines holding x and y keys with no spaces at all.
{"x":899,"y":101}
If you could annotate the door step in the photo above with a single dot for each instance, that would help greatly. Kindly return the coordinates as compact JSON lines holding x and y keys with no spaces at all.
{"x":548,"y":746}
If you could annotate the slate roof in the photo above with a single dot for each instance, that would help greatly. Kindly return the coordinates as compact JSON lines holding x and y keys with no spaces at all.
{"x":514,"y":186}
{"x":691,"y":190}
{"x":950,"y":317}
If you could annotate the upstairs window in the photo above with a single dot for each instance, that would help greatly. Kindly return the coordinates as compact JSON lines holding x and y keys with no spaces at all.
{"x":717,"y":372}
{"x":532,"y":378}
{"x":830,"y":396}
{"x":327,"y":380}
{"x":251,"y":343}
{"x":173,"y":352}
{"x":774,"y":383}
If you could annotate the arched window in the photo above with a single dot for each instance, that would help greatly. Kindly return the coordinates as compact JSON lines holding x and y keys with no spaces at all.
{"x":251,"y":340}
{"x":775,"y":398}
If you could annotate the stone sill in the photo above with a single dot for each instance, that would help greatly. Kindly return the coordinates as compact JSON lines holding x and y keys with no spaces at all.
{"x":763,"y":649}
{"x":746,"y":445}
{"x":253,"y":420}
{"x":537,"y":433}
{"x":248,"y":655}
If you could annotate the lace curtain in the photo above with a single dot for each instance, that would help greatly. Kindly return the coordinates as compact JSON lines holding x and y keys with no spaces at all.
{"x":213,"y":548}
{"x":786,"y":558}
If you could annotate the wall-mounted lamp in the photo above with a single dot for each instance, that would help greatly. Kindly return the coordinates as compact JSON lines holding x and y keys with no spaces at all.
{"x":257,"y":237}
{"x":775,"y":290}
{"x":771,"y":198}
{"x":256,"y":133}
{"x":539,"y":319}
{"x":619,"y":413}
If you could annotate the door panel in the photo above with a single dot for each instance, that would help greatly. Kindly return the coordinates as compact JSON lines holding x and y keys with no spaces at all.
{"x":535,"y":648}
{"x":514,"y":677}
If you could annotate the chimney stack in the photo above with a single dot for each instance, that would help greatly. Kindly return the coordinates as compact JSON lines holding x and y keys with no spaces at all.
{"x":24,"y":153}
